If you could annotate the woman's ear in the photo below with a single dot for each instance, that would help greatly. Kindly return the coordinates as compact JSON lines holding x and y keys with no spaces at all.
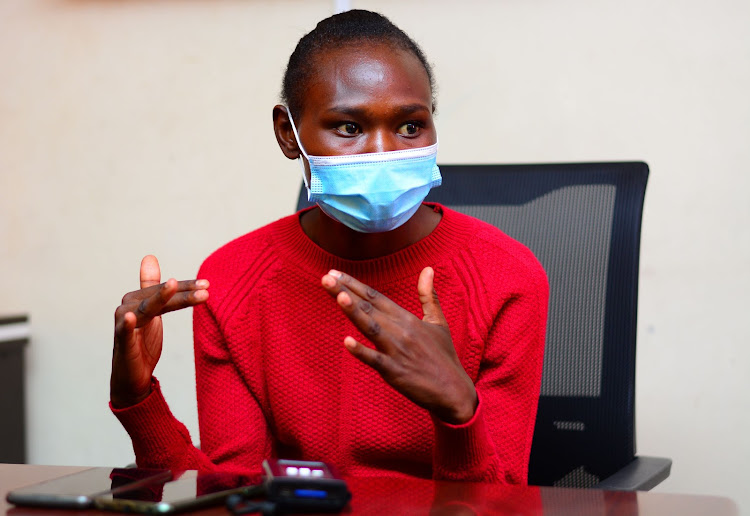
{"x":282,"y":127}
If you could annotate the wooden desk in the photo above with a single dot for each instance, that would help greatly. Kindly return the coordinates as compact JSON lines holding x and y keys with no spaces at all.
{"x":414,"y":497}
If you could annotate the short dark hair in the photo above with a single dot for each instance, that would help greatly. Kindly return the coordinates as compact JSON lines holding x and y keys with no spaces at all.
{"x":356,"y":25}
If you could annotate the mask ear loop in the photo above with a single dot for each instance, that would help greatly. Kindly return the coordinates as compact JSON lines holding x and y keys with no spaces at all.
{"x":301,"y":148}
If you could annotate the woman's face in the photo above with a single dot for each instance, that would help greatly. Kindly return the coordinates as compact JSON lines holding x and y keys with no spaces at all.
{"x":374,"y":98}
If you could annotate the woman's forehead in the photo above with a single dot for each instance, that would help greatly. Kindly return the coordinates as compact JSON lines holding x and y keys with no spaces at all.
{"x":364,"y":74}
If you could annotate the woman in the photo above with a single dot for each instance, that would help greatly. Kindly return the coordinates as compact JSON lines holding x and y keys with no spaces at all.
{"x":444,"y":389}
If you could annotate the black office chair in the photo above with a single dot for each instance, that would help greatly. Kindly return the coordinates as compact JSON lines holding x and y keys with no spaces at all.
{"x":583,"y":222}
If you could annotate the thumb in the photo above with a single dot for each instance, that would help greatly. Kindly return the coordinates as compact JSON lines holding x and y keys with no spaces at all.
{"x":429,"y":299}
{"x":150,"y":272}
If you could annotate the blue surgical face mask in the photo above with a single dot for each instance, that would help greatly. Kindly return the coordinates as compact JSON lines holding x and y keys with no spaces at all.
{"x":371,"y":193}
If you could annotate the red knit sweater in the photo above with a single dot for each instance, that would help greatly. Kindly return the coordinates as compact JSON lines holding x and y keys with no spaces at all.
{"x":274,"y":379}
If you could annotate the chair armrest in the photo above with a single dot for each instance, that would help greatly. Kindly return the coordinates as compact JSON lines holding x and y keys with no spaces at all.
{"x":642,"y":474}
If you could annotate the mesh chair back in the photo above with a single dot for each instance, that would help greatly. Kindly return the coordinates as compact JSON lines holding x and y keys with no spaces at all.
{"x":582,"y":221}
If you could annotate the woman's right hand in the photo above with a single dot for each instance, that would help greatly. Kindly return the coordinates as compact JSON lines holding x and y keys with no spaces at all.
{"x":138,"y":330}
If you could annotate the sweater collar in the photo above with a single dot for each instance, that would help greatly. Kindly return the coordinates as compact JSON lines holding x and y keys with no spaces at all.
{"x":451,"y":233}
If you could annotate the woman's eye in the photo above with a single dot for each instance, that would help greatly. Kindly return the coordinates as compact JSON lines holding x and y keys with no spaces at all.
{"x":408,"y":129}
{"x":348,"y":128}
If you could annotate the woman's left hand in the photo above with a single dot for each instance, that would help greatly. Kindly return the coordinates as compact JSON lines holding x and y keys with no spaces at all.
{"x":416,"y":357}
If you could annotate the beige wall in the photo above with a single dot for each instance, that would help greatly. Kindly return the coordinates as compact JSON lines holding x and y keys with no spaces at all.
{"x":144,"y":126}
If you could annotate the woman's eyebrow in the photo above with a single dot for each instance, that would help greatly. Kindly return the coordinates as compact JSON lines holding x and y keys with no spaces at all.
{"x":408,"y":109}
{"x":401,"y":110}
{"x":347,"y":110}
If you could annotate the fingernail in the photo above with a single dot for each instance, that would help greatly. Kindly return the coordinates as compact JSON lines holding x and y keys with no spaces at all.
{"x":201,"y":283}
{"x":328,"y":281}
{"x":350,"y":343}
{"x":344,"y":299}
{"x":334,"y":273}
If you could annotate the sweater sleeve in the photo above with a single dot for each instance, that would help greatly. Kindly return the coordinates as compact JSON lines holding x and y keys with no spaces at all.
{"x":234,"y":433}
{"x":159,"y":439}
{"x":495,"y":444}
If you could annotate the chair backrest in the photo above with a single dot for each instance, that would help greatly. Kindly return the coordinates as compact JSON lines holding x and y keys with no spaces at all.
{"x":583,"y":223}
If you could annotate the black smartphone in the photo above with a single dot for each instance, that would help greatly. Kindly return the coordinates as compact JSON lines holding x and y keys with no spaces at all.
{"x":78,"y":490}
{"x":304,"y":486}
{"x":186,"y":491}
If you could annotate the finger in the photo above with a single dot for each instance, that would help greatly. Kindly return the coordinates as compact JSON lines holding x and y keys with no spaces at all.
{"x":152,"y":306}
{"x":366,"y":318}
{"x":182,"y":286}
{"x":150,"y":272}
{"x":124,"y":328}
{"x":376,"y":316}
{"x":185,"y":300}
{"x":367,"y":356}
{"x":432,"y":313}
{"x":336,"y":281}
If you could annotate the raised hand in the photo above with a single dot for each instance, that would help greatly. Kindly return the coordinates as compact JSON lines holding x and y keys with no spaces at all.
{"x":139,"y":333}
{"x":415,"y":356}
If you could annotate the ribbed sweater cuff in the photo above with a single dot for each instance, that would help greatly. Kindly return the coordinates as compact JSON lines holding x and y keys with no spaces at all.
{"x":155,"y":432}
{"x":463,"y":452}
